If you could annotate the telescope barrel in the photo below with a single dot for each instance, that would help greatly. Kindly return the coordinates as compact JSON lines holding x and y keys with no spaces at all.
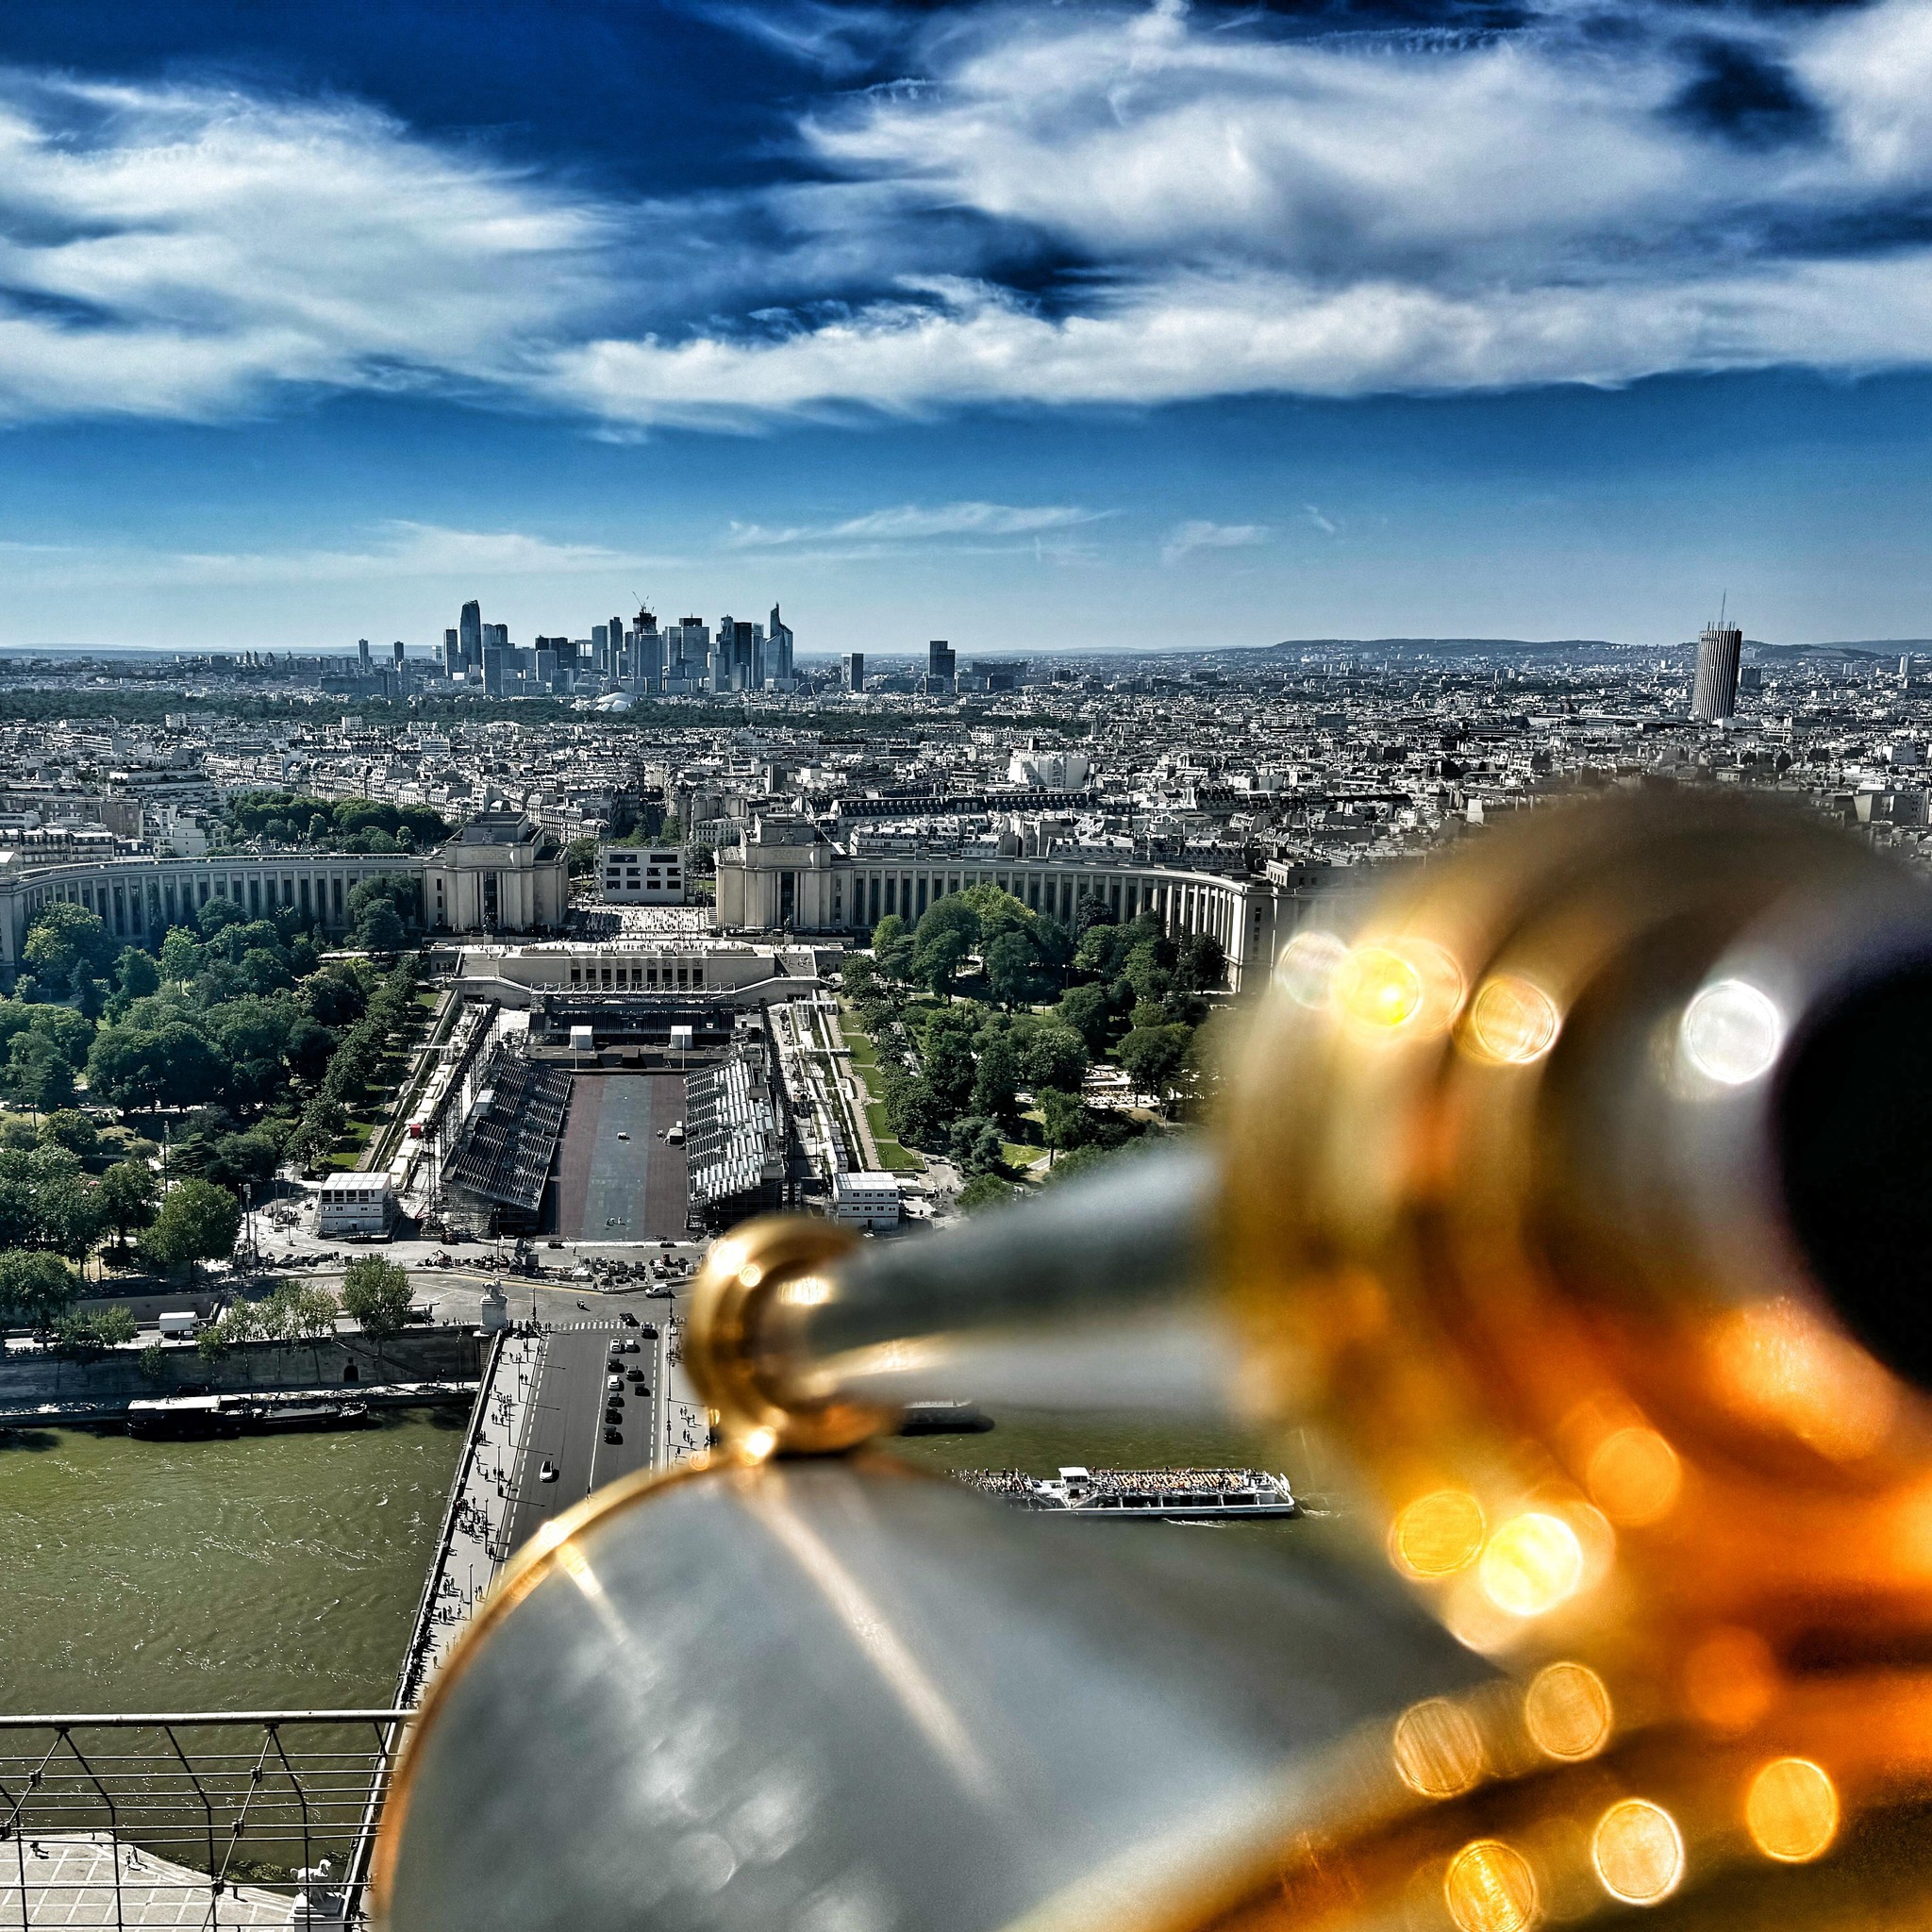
{"x":1110,"y":1244}
{"x":1081,"y":1298}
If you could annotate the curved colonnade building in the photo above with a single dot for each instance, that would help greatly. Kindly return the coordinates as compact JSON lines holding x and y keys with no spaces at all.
{"x":786,"y":877}
{"x":498,"y":873}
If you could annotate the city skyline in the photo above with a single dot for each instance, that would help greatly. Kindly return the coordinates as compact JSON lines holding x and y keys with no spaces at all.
{"x":1047,"y":330}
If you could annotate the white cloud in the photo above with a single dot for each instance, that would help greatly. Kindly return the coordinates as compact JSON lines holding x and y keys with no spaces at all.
{"x":182,"y":251}
{"x":911,"y":524}
{"x":1197,"y":533}
{"x":1214,"y":204}
{"x":1325,"y":523}
{"x":398,"y":551}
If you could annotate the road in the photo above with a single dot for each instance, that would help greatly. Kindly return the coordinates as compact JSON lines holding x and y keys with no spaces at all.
{"x":567,"y":1426}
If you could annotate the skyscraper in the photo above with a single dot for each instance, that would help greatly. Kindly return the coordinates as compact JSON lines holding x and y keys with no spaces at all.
{"x":362,"y":657}
{"x":940,"y":663}
{"x":453,"y":652}
{"x":471,"y":626}
{"x":854,"y":670}
{"x":778,"y":651}
{"x":1714,"y":696}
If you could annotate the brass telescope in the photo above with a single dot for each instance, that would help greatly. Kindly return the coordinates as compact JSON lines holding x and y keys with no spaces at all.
{"x":1575,"y":1190}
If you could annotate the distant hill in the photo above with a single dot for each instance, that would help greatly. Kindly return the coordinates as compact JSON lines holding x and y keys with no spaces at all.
{"x":1494,"y":646}
{"x":1862,"y":647}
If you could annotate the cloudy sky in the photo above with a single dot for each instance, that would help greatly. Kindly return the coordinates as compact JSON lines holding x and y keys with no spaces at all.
{"x":1031,"y":327}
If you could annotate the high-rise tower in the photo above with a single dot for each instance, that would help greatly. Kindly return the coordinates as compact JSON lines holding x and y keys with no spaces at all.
{"x":778,"y":649}
{"x":471,"y":627}
{"x":1714,"y":696}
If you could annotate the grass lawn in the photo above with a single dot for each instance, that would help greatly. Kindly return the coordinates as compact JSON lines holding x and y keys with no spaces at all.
{"x":896,"y":1158}
{"x":1017,"y":1154}
{"x":865,"y":1058}
{"x":348,"y":1150}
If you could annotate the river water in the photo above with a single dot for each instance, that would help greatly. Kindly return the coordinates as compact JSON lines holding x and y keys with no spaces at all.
{"x":260,"y":1574}
{"x":283,"y":1572}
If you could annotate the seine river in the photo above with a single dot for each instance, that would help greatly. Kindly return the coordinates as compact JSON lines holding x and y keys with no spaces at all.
{"x":282,"y":1573}
{"x":262,"y":1573}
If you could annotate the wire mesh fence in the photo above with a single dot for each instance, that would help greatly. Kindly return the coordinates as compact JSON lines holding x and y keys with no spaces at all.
{"x":204,"y":1820}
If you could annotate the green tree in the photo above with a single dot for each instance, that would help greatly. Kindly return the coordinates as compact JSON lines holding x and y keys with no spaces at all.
{"x":1079,"y":1160}
{"x":891,"y":947}
{"x":946,"y":935}
{"x":74,"y":1132}
{"x":69,"y":1215}
{"x":1016,"y":976}
{"x":949,"y":1067}
{"x":36,"y":1290}
{"x":977,"y":1144}
{"x":296,"y":1312}
{"x":96,"y":1331}
{"x":1065,"y":1121}
{"x":128,"y":1190}
{"x":154,"y":1362}
{"x":198,"y":1222}
{"x":858,"y":976}
{"x":218,"y":913}
{"x":913,"y":1111}
{"x":1202,"y":962}
{"x":984,"y":1191}
{"x":996,"y":1079}
{"x":1053,"y":1056}
{"x":37,"y":1072}
{"x":1153,"y":1057}
{"x":580,"y":857}
{"x":381,"y":930}
{"x":376,"y":1294}
{"x":181,"y":955}
{"x":135,"y":974}
{"x":1087,"y":1011}
{"x":322,"y":1125}
{"x":65,"y":942}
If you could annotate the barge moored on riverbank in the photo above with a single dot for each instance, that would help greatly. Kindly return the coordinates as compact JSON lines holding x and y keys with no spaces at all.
{"x":200,"y":1418}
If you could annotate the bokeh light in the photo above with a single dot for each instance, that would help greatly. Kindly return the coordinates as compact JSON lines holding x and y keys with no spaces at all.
{"x":1792,"y":1810}
{"x":1638,"y":1852}
{"x":1437,"y":1748}
{"x":1512,"y":1022}
{"x":1438,"y":1533}
{"x":1491,"y":1888}
{"x":1306,"y":968}
{"x":1533,"y":1563}
{"x":1732,"y":1032}
{"x":1635,"y":1477}
{"x":1378,"y":988}
{"x":1566,"y":1711}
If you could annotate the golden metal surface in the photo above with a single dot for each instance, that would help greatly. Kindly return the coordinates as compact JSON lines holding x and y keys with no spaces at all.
{"x":1500,"y":1213}
{"x":736,"y":1333}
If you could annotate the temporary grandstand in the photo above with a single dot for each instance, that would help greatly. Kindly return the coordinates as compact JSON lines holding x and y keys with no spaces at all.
{"x":735,"y":1138}
{"x":495,"y":1180}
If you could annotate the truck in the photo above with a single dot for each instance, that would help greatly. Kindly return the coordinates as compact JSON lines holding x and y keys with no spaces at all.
{"x":179,"y":1323}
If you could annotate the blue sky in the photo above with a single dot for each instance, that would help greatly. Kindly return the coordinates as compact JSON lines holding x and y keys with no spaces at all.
{"x":1033,"y":327}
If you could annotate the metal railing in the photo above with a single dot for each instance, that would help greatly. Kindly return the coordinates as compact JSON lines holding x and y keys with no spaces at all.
{"x":205,"y":1818}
